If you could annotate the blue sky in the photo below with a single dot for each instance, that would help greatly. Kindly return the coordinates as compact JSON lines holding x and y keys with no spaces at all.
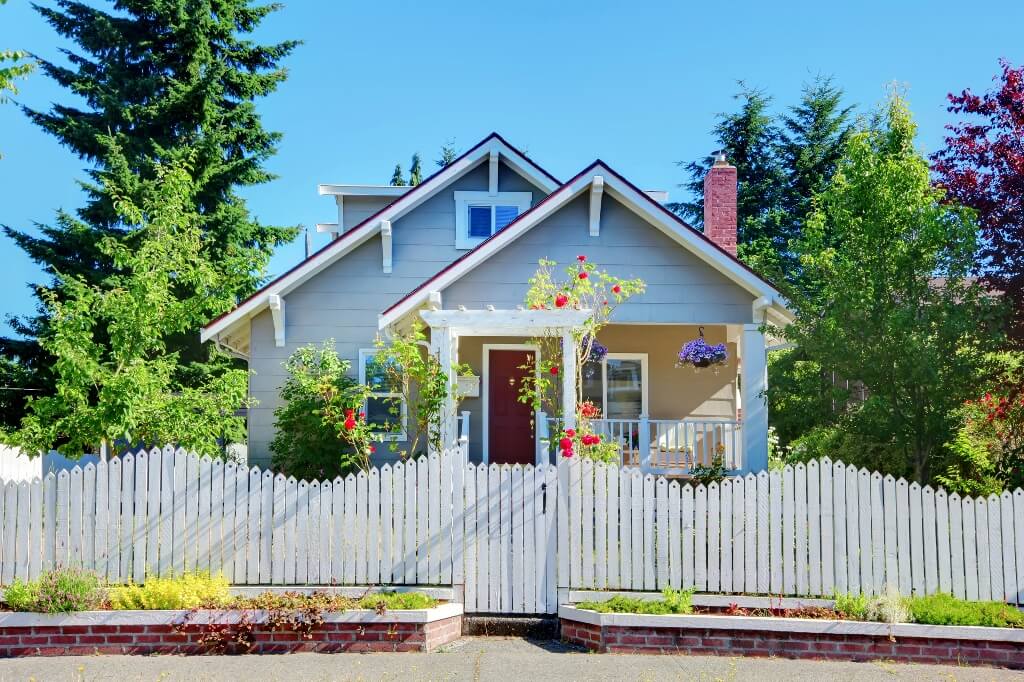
{"x":637,"y":84}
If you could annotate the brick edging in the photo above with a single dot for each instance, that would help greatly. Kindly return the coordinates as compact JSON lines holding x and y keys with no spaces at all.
{"x":784,"y":638}
{"x":182,"y":632}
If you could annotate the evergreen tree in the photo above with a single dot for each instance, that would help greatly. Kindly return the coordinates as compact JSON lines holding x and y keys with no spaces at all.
{"x":448,"y":154}
{"x":415,"y":170}
{"x":16,"y":67}
{"x":397,"y":180}
{"x":748,"y":138}
{"x":157,"y":79}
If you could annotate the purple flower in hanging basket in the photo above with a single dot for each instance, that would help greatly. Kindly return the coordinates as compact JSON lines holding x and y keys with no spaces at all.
{"x":700,"y":354}
{"x":597,"y":350}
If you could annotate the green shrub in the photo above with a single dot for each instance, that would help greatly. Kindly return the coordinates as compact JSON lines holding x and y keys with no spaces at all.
{"x":853,"y":606}
{"x":672,"y":602}
{"x":62,"y":590}
{"x":186,"y":591}
{"x":395,"y":601}
{"x":945,"y":609}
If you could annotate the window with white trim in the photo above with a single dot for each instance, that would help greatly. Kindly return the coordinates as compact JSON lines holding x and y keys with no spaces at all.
{"x":618,"y":385}
{"x":478,"y":215}
{"x":386,"y":408}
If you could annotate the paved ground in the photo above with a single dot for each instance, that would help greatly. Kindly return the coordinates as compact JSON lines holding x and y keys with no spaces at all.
{"x":473,"y":659}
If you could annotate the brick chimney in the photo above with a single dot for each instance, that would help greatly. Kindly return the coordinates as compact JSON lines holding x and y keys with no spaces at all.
{"x":720,"y":204}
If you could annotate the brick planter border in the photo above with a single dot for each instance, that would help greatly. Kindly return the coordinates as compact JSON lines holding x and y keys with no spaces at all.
{"x":791,"y":638}
{"x":161,"y":632}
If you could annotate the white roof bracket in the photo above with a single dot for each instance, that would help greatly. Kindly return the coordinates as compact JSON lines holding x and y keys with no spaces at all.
{"x":385,"y":240}
{"x":596,"y":192}
{"x":434,"y":300}
{"x":276,"y":305}
{"x":492,"y":175}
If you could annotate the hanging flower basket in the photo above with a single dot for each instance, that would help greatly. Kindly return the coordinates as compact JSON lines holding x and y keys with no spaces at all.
{"x":598,"y":350}
{"x":699,"y":353}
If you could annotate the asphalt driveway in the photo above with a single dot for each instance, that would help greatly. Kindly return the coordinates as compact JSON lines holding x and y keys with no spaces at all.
{"x":473,"y":659}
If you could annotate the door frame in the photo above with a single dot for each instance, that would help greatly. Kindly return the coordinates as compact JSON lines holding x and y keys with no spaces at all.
{"x":485,"y":351}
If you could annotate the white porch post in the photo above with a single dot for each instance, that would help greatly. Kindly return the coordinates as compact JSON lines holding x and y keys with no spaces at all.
{"x":442,"y":345}
{"x":568,"y":380}
{"x":754,"y":377}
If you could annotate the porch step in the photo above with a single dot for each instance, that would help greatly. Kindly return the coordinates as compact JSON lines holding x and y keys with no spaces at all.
{"x":502,"y":625}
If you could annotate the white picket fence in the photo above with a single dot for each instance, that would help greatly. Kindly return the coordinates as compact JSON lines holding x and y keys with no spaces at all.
{"x":515,"y":538}
{"x":169,"y":511}
{"x":809,"y":530}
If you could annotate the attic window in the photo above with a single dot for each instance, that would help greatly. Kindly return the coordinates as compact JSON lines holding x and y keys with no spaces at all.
{"x":478,"y":215}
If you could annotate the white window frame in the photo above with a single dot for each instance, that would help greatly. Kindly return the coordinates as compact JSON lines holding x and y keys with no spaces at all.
{"x":645,"y":387}
{"x":463,"y":200}
{"x":364,"y":355}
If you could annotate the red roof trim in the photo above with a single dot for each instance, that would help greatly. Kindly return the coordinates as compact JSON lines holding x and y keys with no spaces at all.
{"x":361,"y":227}
{"x":595,"y":164}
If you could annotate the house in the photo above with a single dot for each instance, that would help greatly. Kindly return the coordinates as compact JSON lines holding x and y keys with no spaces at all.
{"x":457,"y":251}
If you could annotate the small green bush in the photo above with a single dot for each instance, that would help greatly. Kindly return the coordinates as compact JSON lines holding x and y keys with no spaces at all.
{"x":396,"y":601}
{"x":945,"y":609}
{"x":186,"y":591}
{"x":853,"y":606}
{"x":62,"y":590}
{"x":672,"y":602}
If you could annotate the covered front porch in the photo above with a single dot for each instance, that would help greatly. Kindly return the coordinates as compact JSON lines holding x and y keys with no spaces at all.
{"x":664,"y":418}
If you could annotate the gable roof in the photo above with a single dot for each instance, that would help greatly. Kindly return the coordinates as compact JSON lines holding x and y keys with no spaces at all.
{"x":633,"y":198}
{"x":359,"y":234}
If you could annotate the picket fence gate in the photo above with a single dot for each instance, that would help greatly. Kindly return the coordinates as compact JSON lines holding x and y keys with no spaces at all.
{"x":515,"y":539}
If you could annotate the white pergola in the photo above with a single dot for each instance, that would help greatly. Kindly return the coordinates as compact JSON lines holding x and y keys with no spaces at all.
{"x":446,"y":326}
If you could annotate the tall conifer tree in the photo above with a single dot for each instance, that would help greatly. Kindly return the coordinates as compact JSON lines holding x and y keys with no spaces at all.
{"x":158,"y":79}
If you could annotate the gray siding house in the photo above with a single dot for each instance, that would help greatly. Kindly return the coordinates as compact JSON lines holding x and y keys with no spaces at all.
{"x":457,"y":251}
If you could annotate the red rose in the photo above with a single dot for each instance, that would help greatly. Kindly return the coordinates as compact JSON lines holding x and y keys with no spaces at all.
{"x":362,"y":415}
{"x":565,"y":444}
{"x":554,"y":370}
{"x":561,"y":300}
{"x":616,"y":289}
{"x":571,"y":433}
{"x":350,"y":424}
{"x":606,"y":302}
{"x":373,"y":448}
{"x":581,"y":258}
{"x":584,"y":275}
{"x":567,"y":453}
{"x":349,"y":413}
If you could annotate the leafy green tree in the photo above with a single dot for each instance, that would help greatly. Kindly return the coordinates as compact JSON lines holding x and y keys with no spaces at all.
{"x":121,"y":386}
{"x":397,"y":180}
{"x":157,"y":78}
{"x":415,"y":170}
{"x":892,"y":305}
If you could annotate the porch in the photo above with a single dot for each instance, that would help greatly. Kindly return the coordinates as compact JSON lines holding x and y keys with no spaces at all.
{"x":664,"y":418}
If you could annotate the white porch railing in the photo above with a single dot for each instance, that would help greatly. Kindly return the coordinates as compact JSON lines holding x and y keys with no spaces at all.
{"x":669,"y":446}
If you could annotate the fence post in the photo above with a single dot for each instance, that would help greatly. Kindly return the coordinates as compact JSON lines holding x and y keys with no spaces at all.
{"x":543,"y":438}
{"x":644,"y":443}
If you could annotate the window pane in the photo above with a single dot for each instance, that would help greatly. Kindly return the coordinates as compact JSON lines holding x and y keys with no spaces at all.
{"x":381,"y":376}
{"x":479,"y":221}
{"x":625,"y":392}
{"x":384,"y":414}
{"x":592,"y":384}
{"x":503,"y":215}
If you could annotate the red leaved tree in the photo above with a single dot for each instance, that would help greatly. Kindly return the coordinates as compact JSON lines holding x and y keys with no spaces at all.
{"x":982,"y":166}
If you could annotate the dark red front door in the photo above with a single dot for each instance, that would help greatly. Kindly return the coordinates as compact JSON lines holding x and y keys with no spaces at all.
{"x":509,"y":422}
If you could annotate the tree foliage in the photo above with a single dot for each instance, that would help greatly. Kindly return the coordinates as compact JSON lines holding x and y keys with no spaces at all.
{"x":120,"y":386}
{"x":397,"y":179}
{"x":415,"y":170}
{"x":892,"y":305}
{"x":982,"y":166}
{"x":159,"y":80}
